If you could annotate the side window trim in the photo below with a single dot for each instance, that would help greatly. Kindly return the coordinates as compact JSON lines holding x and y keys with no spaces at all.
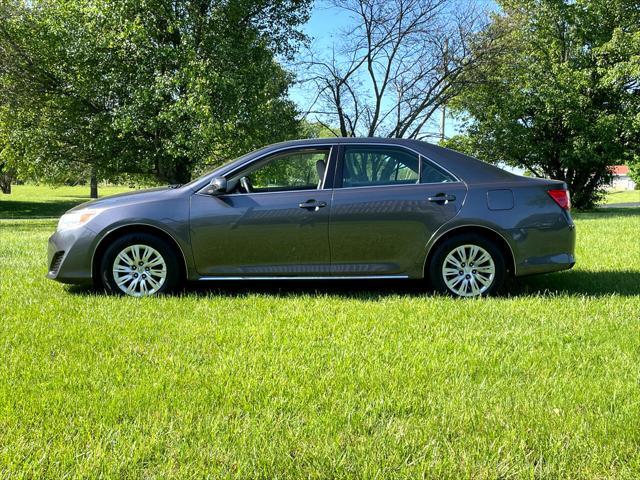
{"x":333,"y":172}
{"x":339,"y":166}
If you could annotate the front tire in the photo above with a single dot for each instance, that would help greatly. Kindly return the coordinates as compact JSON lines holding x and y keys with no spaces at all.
{"x":467,"y":265}
{"x":139,"y":265}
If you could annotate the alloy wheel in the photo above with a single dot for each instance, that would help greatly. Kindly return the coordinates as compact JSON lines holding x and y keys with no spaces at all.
{"x":468,"y":270}
{"x":139,"y":270}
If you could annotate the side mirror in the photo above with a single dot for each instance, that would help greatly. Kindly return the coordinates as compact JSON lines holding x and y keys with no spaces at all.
{"x":217,"y":186}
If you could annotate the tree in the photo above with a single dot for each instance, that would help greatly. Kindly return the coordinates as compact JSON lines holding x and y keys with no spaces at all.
{"x":100,"y":88}
{"x":315,"y":130}
{"x":634,"y":171}
{"x":6,"y":172}
{"x":396,"y":67}
{"x":622,"y":69}
{"x":561,"y":99}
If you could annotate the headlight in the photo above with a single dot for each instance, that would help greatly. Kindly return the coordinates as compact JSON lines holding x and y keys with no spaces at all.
{"x":76,"y":219}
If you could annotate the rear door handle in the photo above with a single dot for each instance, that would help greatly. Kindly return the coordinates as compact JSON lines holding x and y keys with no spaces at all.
{"x":442,"y":199}
{"x":313,"y":205}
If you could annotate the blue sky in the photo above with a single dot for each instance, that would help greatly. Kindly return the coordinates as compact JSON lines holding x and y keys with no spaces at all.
{"x":323,"y":28}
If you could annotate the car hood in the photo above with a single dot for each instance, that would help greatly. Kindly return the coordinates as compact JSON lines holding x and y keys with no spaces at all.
{"x":127,"y":198}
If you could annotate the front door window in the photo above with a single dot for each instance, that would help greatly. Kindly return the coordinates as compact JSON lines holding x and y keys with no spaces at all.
{"x":299,"y":170}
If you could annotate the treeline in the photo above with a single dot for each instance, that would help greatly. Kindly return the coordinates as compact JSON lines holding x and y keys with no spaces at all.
{"x":161,"y":90}
{"x":561,"y":95}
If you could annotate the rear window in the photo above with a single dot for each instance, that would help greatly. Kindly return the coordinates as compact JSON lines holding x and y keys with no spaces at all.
{"x":433,"y":174}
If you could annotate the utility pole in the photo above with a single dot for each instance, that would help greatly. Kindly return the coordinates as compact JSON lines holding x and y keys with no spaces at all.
{"x":445,"y":62}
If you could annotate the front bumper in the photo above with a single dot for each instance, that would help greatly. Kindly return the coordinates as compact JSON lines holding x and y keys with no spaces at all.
{"x":70,"y":256}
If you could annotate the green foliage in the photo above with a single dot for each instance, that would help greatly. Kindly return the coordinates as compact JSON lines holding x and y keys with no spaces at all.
{"x":634,"y":170}
{"x":7,"y":171}
{"x":561,"y":96}
{"x":634,"y":173}
{"x":156,"y":87}
{"x":320,"y":380}
{"x":315,"y":130}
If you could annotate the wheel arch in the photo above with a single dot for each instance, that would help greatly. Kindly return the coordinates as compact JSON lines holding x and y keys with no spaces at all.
{"x":484,"y":231}
{"x":121,"y":230}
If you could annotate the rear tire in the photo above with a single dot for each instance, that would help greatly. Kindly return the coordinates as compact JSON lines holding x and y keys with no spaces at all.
{"x":140,"y":265}
{"x":467,"y":265}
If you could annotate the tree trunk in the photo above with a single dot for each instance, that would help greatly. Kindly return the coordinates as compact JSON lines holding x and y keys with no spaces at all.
{"x":5,"y":182}
{"x":176,"y":172}
{"x":93,"y":184}
{"x":6,"y":186}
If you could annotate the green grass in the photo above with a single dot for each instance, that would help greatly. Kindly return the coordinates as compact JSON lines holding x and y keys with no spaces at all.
{"x":625,"y":196}
{"x":378,"y":380}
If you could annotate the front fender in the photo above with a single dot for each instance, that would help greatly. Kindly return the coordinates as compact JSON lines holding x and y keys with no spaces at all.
{"x":168,"y":217}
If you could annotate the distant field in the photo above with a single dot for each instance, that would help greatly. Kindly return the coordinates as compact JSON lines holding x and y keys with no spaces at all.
{"x":623,"y":197}
{"x":370,"y":380}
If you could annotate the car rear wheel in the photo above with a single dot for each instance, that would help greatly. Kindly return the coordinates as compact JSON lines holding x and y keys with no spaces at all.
{"x":467,"y":266}
{"x":139,"y":265}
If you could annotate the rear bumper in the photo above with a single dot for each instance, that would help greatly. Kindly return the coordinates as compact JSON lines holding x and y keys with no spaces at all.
{"x":69,"y":256}
{"x":545,"y":250}
{"x":548,"y":264}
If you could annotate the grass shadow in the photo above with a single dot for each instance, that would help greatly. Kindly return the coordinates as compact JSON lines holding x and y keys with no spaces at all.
{"x":572,"y":283}
{"x":20,"y":210}
{"x":580,"y":282}
{"x":363,"y":289}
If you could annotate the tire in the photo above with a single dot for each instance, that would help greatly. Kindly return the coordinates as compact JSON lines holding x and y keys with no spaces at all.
{"x":486,"y":279}
{"x":121,"y":271}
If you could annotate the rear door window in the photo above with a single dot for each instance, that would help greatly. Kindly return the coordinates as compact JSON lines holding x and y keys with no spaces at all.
{"x":372,"y":166}
{"x":367,"y":166}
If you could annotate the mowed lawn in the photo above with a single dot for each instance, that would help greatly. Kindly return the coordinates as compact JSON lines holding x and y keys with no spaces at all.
{"x":624,"y":196}
{"x":371,"y":380}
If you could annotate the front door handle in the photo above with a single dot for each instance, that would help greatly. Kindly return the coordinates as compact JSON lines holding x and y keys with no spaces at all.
{"x":442,"y":199}
{"x":313,"y":205}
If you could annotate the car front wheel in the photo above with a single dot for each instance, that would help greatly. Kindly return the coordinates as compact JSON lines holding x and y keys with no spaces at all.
{"x":139,"y":265}
{"x":467,"y":266}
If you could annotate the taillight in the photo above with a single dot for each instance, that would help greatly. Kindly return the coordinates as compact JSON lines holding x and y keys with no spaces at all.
{"x":561,"y":197}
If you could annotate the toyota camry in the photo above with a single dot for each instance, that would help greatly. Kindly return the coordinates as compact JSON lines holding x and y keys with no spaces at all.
{"x":340,"y":208}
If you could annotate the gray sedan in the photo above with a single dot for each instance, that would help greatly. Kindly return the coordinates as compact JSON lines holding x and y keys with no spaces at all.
{"x":339,"y":208}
